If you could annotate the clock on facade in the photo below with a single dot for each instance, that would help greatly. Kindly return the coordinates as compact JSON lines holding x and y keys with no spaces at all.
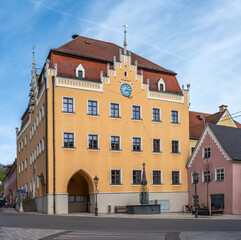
{"x":125,"y":90}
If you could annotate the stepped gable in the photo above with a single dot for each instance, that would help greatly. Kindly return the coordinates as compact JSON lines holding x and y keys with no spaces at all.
{"x":95,"y":54}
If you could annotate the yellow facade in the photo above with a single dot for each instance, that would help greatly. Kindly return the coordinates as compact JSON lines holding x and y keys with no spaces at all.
{"x":72,"y":170}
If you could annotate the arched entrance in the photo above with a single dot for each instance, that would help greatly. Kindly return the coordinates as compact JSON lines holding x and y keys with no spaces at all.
{"x":79,"y":188}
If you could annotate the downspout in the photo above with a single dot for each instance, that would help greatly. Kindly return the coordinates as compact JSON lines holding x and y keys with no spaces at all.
{"x":46,"y":137}
{"x":53,"y":79}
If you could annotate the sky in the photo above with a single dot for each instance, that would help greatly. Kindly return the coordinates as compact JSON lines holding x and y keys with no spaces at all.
{"x":200,"y":40}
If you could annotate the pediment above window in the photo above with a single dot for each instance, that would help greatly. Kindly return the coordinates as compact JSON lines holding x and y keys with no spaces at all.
{"x":80,"y":71}
{"x":161,"y":85}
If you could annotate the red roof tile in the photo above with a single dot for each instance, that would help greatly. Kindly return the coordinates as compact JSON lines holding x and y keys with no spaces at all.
{"x":95,"y":56}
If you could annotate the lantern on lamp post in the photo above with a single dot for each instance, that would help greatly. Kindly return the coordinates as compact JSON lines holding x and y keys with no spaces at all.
{"x":96,"y":180}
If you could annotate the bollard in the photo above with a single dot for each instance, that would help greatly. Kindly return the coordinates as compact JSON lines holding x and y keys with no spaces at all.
{"x":109,"y":208}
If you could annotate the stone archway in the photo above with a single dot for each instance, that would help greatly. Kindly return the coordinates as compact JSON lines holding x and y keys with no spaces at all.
{"x":79,"y":188}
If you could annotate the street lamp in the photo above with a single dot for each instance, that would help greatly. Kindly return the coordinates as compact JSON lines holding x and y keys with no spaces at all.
{"x":96,"y":180}
{"x":195,"y":180}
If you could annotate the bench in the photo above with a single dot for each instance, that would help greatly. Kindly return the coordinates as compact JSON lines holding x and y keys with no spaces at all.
{"x":121,"y":209}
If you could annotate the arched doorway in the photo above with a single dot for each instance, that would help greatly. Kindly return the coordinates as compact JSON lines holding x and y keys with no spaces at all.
{"x":79,"y":188}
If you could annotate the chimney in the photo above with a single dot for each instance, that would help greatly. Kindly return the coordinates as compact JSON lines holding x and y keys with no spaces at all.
{"x":222,"y":108}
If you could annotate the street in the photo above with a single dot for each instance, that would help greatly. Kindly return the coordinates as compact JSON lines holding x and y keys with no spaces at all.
{"x":78,"y":227}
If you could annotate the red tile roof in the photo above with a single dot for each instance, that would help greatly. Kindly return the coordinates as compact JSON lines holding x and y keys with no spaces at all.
{"x":95,"y":56}
{"x":196,"y":124}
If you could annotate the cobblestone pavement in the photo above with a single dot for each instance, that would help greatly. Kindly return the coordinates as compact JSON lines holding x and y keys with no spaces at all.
{"x":7,"y":233}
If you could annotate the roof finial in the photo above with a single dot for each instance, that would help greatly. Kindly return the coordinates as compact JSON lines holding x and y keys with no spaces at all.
{"x":33,"y":49}
{"x":125,"y":42}
{"x":33,"y":65}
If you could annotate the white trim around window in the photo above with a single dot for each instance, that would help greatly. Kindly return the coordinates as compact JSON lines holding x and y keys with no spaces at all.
{"x":179,"y":146}
{"x":69,"y":148}
{"x":160,"y":119}
{"x":132,"y":112}
{"x":153,"y":184}
{"x":63,"y":105}
{"x":97,"y":114}
{"x":160,"y":145}
{"x":80,"y":68}
{"x":112,"y":169}
{"x":119,"y":143}
{"x":141,"y":150}
{"x":98,"y":142}
{"x":119,"y":110}
{"x":180,"y":178}
{"x":216,"y":179}
{"x":132,"y":176}
{"x":178,"y":116}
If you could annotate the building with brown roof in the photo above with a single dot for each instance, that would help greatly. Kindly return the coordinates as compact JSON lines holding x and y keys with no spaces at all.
{"x":99,"y":110}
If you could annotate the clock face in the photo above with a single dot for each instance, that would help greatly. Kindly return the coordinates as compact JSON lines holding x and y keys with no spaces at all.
{"x":126,"y":90}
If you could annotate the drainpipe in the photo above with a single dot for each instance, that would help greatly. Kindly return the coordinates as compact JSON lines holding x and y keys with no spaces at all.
{"x":46,"y":136}
{"x":53,"y":84}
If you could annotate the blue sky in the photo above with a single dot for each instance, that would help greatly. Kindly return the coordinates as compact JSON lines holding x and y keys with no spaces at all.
{"x":200,"y":40}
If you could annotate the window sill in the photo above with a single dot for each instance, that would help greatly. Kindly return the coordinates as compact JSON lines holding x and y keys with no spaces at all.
{"x":153,"y":184}
{"x":134,"y":185}
{"x":68,"y":148}
{"x":71,"y":113}
{"x":137,"y":119}
{"x":115,"y":117}
{"x":92,"y":115}
{"x":160,"y":121}
{"x":176,"y":123}
{"x":157,"y":152}
{"x":219,"y":180}
{"x":116,"y":185}
{"x":113,"y":150}
{"x":93,"y":149}
{"x":178,"y":153}
{"x":137,"y":151}
{"x":179,"y":184}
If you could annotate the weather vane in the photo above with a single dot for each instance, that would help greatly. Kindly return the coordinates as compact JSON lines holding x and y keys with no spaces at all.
{"x":125,"y":43}
{"x":33,"y":48}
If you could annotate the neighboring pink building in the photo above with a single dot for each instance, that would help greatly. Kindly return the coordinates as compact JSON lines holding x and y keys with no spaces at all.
{"x":10,"y":184}
{"x":218,"y":151}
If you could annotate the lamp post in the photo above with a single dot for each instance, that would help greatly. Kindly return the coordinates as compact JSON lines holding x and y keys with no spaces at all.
{"x":195,"y":180}
{"x":96,"y":180}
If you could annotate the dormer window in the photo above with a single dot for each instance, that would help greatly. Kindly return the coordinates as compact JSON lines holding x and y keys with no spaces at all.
{"x":80,"y":72}
{"x":161,"y":85}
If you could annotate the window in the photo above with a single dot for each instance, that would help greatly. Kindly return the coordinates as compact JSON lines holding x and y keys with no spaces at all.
{"x":114,"y":110}
{"x":156,"y":177}
{"x":68,"y":105}
{"x":125,"y":73}
{"x":43,"y":111}
{"x":37,"y":182}
{"x":206,"y":152}
{"x":193,"y":177}
{"x":40,"y":147}
{"x":219,"y":174}
{"x":156,"y":145}
{"x":115,"y":177}
{"x":136,"y":112}
{"x":161,"y":85}
{"x":30,"y":187}
{"x":207,"y":176}
{"x":68,"y":140}
{"x":43,"y":144}
{"x":26,"y":140}
{"x":156,"y":115}
{"x":176,"y":178}
{"x":174,"y":116}
{"x":26,"y":163}
{"x":115,"y":143}
{"x":136,"y":144}
{"x":34,"y":125}
{"x":22,"y":166}
{"x":175,"y":146}
{"x":192,"y":149}
{"x":30,"y":134}
{"x":136,"y":177}
{"x":37,"y":120}
{"x":93,"y":141}
{"x":92,"y":107}
{"x":22,"y":144}
{"x":19,"y":147}
{"x":19,"y":168}
{"x":80,"y":74}
{"x":40,"y":115}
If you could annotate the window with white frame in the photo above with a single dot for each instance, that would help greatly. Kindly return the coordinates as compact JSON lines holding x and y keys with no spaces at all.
{"x":136,"y":177}
{"x":136,"y":112}
{"x":219,"y":174}
{"x":43,"y":144}
{"x":156,"y":145}
{"x":43,"y":111}
{"x":30,"y":187}
{"x":156,"y":177}
{"x":26,"y":140}
{"x":175,"y":146}
{"x":80,"y":71}
{"x":206,"y":176}
{"x":156,"y":115}
{"x":30,"y":134}
{"x":26,"y":163}
{"x":115,"y":110}
{"x":37,"y":182}
{"x":174,"y":116}
{"x":40,"y":115}
{"x":161,"y":85}
{"x":92,"y":107}
{"x":192,"y":177}
{"x":35,"y":156}
{"x":136,"y":144}
{"x":206,"y":152}
{"x":40,"y":147}
{"x":93,"y":143}
{"x":115,"y":143}
{"x":68,"y":140}
{"x":19,"y":147}
{"x":22,"y":144}
{"x":34,"y":126}
{"x":176,"y":178}
{"x":22,"y":166}
{"x":115,"y":177}
{"x":19,"y":168}
{"x":68,"y":105}
{"x":37,"y":120}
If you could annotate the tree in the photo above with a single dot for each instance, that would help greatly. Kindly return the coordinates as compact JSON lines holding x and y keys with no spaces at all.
{"x":208,"y":176}
{"x":3,"y":172}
